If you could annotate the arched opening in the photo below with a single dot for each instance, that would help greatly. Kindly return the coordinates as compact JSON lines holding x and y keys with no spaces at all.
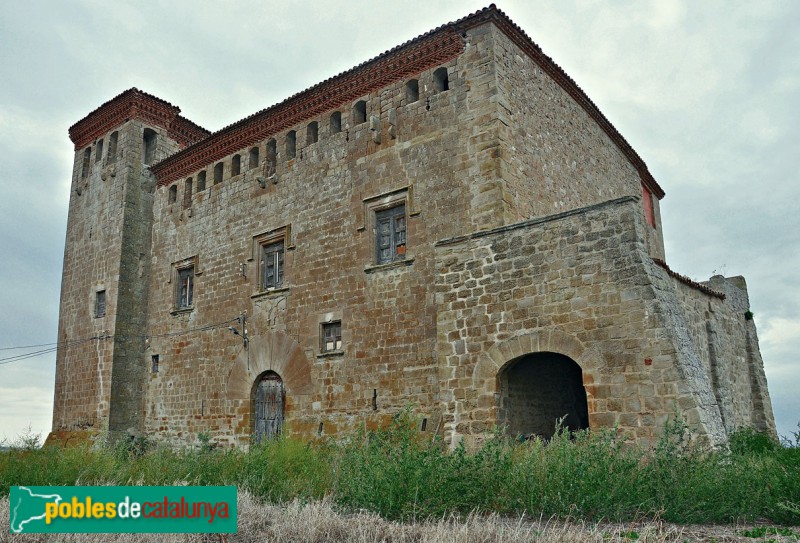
{"x":268,"y":406}
{"x":440,"y":80}
{"x":412,"y":91}
{"x":150,"y":139}
{"x":291,"y":144}
{"x":236,"y":165}
{"x":112,"y":146}
{"x":360,"y":112}
{"x":253,"y":160}
{"x":336,"y":122}
{"x":218,"y":170}
{"x":536,"y":390}
{"x":272,"y":157}
{"x":312,"y":133}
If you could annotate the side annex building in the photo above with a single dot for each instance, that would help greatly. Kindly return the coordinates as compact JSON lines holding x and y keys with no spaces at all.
{"x":452,"y":226}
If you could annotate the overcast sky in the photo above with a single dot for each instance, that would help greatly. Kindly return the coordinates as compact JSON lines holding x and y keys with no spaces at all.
{"x":708,"y":93}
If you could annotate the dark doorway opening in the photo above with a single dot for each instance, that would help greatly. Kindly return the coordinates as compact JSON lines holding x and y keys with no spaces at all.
{"x":537,"y":390}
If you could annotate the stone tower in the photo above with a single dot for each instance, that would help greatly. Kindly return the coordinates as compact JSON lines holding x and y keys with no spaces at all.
{"x":99,"y":382}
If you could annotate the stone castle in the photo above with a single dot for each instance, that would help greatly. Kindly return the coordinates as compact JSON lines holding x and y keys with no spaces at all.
{"x":452,"y":226}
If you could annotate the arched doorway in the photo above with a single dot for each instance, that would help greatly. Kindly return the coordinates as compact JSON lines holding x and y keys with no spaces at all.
{"x":269,"y":401}
{"x":538,"y":389}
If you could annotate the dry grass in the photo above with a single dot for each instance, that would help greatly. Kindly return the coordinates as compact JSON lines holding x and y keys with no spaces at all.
{"x":319,"y":522}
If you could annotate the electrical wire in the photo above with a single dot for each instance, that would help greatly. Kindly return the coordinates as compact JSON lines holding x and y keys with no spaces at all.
{"x":53,"y":347}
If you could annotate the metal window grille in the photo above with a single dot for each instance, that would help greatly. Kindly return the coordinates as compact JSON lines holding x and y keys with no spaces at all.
{"x":100,"y":304}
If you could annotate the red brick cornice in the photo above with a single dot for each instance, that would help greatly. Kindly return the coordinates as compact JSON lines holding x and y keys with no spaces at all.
{"x":135,"y":104}
{"x":431,"y":49}
{"x":427,"y":51}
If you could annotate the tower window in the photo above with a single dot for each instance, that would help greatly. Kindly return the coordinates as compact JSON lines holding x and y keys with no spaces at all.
{"x":187,"y":193}
{"x":112,"y":146}
{"x":272,"y":157}
{"x":218,"y":169}
{"x":253,"y":158}
{"x":185,"y":290}
{"x":150,"y":139}
{"x":100,"y":304}
{"x":236,"y":165}
{"x":201,"y":181}
{"x":412,"y":91}
{"x":360,"y":112}
{"x":98,"y":151}
{"x":291,"y":144}
{"x":87,"y":154}
{"x":390,"y":234}
{"x":172,"y":195}
{"x":336,"y":122}
{"x":272,"y":265}
{"x":440,"y":80}
{"x":312,"y":132}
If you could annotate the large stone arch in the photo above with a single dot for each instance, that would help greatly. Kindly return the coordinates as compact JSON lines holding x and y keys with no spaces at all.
{"x":270,"y":352}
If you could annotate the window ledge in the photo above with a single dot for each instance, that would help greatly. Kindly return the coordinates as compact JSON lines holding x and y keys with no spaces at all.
{"x":271,"y":291}
{"x":329,"y":354}
{"x":182,"y":310}
{"x":374,"y":268}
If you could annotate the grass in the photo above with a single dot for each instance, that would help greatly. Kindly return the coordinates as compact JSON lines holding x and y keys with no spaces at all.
{"x":399,"y":474}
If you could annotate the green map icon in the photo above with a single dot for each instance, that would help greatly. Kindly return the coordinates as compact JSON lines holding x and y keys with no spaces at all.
{"x":28,"y":508}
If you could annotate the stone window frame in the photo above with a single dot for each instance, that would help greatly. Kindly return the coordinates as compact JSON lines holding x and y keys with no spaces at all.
{"x":260,"y":242}
{"x":100,"y":303}
{"x":403,"y":196}
{"x":330,"y":337}
{"x":179,"y":268}
{"x":323,"y":321}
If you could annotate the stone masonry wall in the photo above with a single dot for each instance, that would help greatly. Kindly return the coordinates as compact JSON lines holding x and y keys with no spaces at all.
{"x":439,"y":161}
{"x":554,"y":155}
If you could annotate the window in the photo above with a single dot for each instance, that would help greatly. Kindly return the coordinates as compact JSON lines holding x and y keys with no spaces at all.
{"x":185,"y":290}
{"x":173,"y":194}
{"x":312,"y":132}
{"x":390,"y":234}
{"x":150,"y":139}
{"x":100,"y":304}
{"x":201,"y":181}
{"x":291,"y":144}
{"x":272,"y":265}
{"x":360,"y":112}
{"x":440,"y":80}
{"x":647,"y":202}
{"x":336,"y":122}
{"x":331,"y":336}
{"x":187,"y":193}
{"x":218,"y":172}
{"x":272,"y":157}
{"x":253,"y":161}
{"x":98,"y":153}
{"x":154,"y":363}
{"x":112,"y":146}
{"x":87,"y":153}
{"x":236,"y":165}
{"x":412,"y":91}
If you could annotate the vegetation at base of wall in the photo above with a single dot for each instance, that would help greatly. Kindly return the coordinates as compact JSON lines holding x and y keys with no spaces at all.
{"x":401,"y":473}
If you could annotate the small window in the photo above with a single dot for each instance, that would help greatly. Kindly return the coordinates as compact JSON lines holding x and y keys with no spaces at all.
{"x":150,"y":139}
{"x":154,"y":363}
{"x":390,"y":234}
{"x":87,"y":155}
{"x":272,"y":157}
{"x":331,"y":336}
{"x":272,"y":265}
{"x":647,"y":202}
{"x":112,"y":146}
{"x":312,"y":132}
{"x":98,"y":151}
{"x":185,"y":290}
{"x":412,"y":91}
{"x":291,"y":144}
{"x":336,"y":122}
{"x":187,"y":193}
{"x":360,"y":112}
{"x":440,"y":81}
{"x":173,"y":194}
{"x":253,"y":158}
{"x":236,"y":165}
{"x":218,"y":169}
{"x":100,"y":304}
{"x":201,"y":181}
